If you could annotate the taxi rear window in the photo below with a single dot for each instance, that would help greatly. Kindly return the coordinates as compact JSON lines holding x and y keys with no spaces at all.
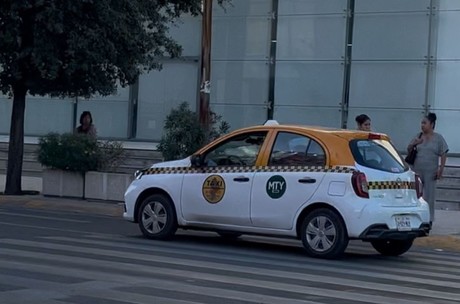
{"x":377,"y":154}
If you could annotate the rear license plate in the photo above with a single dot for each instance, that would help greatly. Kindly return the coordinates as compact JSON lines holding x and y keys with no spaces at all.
{"x":402,"y":223}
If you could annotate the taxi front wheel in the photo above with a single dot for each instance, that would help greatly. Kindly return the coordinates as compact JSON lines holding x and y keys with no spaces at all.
{"x":392,"y":247}
{"x":157,"y":217}
{"x":324,"y":234}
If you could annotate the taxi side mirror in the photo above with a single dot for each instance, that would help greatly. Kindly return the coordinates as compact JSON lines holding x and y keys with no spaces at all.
{"x":196,"y":160}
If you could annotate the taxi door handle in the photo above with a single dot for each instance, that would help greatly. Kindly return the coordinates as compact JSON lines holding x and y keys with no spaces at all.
{"x":307,"y":180}
{"x":241,"y":179}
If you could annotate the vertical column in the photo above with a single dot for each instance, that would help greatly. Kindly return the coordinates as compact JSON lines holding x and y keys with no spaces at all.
{"x":272,"y":60}
{"x":347,"y":62}
{"x":430,"y":61}
{"x":132,"y":109}
{"x":205,"y":82}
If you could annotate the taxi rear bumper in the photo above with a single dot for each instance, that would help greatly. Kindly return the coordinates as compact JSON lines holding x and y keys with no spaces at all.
{"x":382,"y":232}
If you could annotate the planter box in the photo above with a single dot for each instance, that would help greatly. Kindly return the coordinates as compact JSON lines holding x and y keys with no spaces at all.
{"x":106,"y":186}
{"x":62,"y":183}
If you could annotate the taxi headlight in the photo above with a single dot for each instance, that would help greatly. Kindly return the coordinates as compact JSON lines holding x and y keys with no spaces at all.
{"x":138,"y":174}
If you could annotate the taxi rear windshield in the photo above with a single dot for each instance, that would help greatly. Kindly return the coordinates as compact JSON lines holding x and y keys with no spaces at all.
{"x":377,"y":154}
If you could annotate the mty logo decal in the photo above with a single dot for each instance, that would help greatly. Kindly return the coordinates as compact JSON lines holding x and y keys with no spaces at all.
{"x":213,"y":189}
{"x":276,"y":186}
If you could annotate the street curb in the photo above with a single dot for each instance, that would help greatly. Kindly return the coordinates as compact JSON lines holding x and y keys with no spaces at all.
{"x":108,"y":208}
{"x":439,"y":242}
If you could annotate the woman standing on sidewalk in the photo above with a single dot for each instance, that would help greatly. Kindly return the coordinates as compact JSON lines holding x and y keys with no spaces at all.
{"x":363,"y":122}
{"x":86,"y":125}
{"x":431,"y":158}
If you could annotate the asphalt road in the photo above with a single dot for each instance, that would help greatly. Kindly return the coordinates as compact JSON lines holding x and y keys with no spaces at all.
{"x":51,"y":256}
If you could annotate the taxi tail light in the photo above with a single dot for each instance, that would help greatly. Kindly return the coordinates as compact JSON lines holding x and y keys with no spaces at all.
{"x":374,"y":136}
{"x":359,"y":182}
{"x":418,"y":186}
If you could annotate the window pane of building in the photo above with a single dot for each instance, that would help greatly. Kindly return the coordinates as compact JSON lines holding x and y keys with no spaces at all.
{"x":308,"y":115}
{"x":309,"y":83}
{"x":160,"y":91}
{"x":391,"y":36}
{"x":6,"y":106}
{"x":240,"y":38}
{"x":387,"y":84}
{"x":391,"y":5}
{"x":311,"y":37}
{"x":45,"y":114}
{"x":239,"y":82}
{"x":302,"y":7}
{"x":239,"y":115}
{"x":448,"y":42}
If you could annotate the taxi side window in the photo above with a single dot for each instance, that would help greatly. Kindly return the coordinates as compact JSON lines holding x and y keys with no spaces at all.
{"x":296,"y":150}
{"x":240,"y":150}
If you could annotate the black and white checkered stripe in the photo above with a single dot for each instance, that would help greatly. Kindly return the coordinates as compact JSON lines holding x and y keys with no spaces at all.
{"x":392,"y":185}
{"x":243,"y":169}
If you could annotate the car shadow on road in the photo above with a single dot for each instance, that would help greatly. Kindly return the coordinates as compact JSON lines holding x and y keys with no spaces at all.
{"x":267,"y":246}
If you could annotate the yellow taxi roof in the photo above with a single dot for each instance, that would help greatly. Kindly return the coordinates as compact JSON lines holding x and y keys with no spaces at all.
{"x":320,"y":131}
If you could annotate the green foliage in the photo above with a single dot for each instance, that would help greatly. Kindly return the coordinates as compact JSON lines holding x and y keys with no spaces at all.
{"x":184,"y":134}
{"x":69,"y":48}
{"x":83,"y":47}
{"x":78,"y":152}
{"x":111,"y":155}
{"x":72,"y":152}
{"x":218,"y":126}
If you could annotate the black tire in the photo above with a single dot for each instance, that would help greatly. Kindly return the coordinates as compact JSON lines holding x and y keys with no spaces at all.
{"x":157,"y":217}
{"x":392,"y":247}
{"x":324,"y":234}
{"x":229,"y":235}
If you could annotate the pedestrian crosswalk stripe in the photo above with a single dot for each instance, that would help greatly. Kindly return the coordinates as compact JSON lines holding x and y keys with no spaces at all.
{"x":207,"y":272}
{"x":281,"y":275}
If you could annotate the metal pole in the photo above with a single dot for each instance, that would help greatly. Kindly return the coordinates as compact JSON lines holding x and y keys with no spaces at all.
{"x":132,"y":109}
{"x":272,"y":60}
{"x":205,"y":81}
{"x":344,"y":105}
{"x":74,"y":114}
{"x":429,"y":61}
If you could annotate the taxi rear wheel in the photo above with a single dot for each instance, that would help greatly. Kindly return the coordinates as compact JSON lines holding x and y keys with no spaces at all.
{"x":157,"y":217}
{"x":324,"y":234}
{"x":392,"y":247}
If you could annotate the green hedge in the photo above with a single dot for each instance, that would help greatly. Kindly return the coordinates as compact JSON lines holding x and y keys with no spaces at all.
{"x":78,"y":153}
{"x":184,"y":135}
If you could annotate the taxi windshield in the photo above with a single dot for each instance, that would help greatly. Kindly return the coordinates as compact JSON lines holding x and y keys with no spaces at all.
{"x":377,"y":154}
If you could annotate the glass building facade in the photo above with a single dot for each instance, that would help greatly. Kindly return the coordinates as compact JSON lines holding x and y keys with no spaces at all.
{"x":311,"y":62}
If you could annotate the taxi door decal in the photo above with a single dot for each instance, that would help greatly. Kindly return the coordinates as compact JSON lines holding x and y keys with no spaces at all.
{"x":213,"y":189}
{"x":276,"y":186}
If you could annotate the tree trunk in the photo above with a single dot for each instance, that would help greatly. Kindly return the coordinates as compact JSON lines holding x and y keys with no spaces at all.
{"x":16,"y":145}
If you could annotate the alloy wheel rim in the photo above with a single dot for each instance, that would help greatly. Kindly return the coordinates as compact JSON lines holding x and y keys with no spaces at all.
{"x":321,"y":233}
{"x":154,"y":217}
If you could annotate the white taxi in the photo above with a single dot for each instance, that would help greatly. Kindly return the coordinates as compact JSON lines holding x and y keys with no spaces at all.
{"x":322,"y":186}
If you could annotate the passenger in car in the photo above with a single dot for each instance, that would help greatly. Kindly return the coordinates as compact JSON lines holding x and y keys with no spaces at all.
{"x":431,"y":158}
